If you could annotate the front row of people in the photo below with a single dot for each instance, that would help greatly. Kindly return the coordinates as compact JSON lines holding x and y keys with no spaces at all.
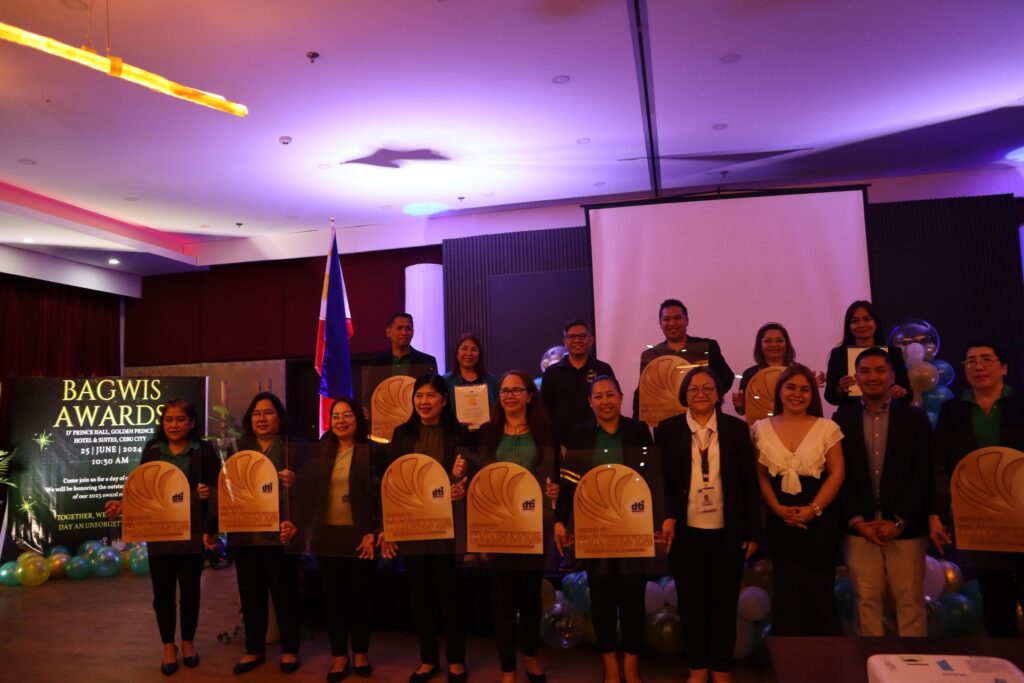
{"x":868,"y":473}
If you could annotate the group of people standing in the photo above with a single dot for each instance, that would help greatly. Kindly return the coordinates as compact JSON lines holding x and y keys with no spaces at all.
{"x":797,"y":485}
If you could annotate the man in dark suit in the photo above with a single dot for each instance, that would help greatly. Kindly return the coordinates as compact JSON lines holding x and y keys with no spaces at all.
{"x":566,"y":384}
{"x":886,"y":498}
{"x":402,"y":357}
{"x":987,"y":414}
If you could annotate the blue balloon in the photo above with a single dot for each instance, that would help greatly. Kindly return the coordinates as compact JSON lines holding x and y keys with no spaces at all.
{"x":88,"y":548}
{"x":77,"y":568}
{"x":139,"y":561}
{"x":946,"y":372}
{"x":7,"y":574}
{"x":934,"y":399}
{"x":58,"y":550}
{"x":933,"y":417}
{"x":106,"y":562}
{"x":844,"y":597}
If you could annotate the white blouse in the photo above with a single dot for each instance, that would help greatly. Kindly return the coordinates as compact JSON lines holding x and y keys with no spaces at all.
{"x":809,"y":458}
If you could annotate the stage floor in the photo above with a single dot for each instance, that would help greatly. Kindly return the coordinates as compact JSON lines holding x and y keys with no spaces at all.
{"x":104,"y":630}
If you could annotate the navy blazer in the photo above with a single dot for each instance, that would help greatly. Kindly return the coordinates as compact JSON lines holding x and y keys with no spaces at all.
{"x":740,"y":493}
{"x":907,"y":485}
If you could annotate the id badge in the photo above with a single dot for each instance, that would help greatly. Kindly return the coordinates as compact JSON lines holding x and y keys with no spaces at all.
{"x":706,"y":504}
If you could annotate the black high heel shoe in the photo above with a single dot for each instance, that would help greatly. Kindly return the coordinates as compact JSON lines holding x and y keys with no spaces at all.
{"x":246,"y":667}
{"x":423,"y":677}
{"x":191,"y":662}
{"x":338,"y":676}
{"x":167,"y":668}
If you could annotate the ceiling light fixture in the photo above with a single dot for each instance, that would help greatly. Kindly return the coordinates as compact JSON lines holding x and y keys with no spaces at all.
{"x":27,"y":162}
{"x":560,"y":80}
{"x":720,"y":126}
{"x":114,"y":66}
{"x":131,"y":199}
{"x":599,"y":183}
{"x":323,"y":167}
{"x":113,"y":262}
{"x":582,"y":141}
{"x":730,"y":58}
{"x":28,"y":240}
{"x":424,"y":208}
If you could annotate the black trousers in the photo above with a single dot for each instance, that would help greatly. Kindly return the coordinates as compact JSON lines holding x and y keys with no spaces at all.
{"x":708,"y":576}
{"x":348,"y":588}
{"x":262,"y":570}
{"x":435,"y":597}
{"x":622,"y":594}
{"x":1001,"y":590}
{"x":515,"y":591}
{"x":170,"y":573}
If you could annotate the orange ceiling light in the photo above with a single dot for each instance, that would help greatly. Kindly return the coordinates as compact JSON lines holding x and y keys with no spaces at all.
{"x":114,"y":66}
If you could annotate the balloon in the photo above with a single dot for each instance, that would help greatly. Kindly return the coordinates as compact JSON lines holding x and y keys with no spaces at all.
{"x":844,"y":597}
{"x":654,"y":598}
{"x":973,"y":591}
{"x":936,"y":613}
{"x":918,"y":401}
{"x":88,"y":548}
{"x":962,"y":616}
{"x":933,"y":417}
{"x":760,"y":574}
{"x":746,"y":636}
{"x":665,"y":580}
{"x":934,"y":399}
{"x":946,"y":372}
{"x":106,"y":562}
{"x":139,"y":562}
{"x":954,"y":579}
{"x":913,"y":353}
{"x":58,"y":563}
{"x":663,"y":631}
{"x":27,"y":555}
{"x":7,"y":576}
{"x":588,"y":631}
{"x":671,"y":597}
{"x":77,"y":568}
{"x":754,"y":604}
{"x":547,"y":591}
{"x":923,"y":376}
{"x":916,"y":331}
{"x":34,"y":571}
{"x":58,"y":550}
{"x":561,"y":627}
{"x":582,"y":602}
{"x":934,"y":577}
{"x":126,"y":558}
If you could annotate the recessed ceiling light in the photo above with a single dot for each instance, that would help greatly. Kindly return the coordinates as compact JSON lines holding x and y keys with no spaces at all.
{"x":730,"y":58}
{"x":488,"y":194}
{"x":720,"y":126}
{"x":1015,"y":155}
{"x":561,"y":79}
{"x":323,"y":167}
{"x":27,"y":162}
{"x":131,"y":199}
{"x":204,"y":225}
{"x":113,"y":261}
{"x":582,"y":141}
{"x":599,"y":183}
{"x":28,"y":240}
{"x":77,"y":5}
{"x":385,"y":207}
{"x":291,"y":216}
{"x":424,"y":208}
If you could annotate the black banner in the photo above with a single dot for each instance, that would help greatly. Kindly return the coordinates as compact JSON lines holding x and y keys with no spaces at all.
{"x":77,"y":440}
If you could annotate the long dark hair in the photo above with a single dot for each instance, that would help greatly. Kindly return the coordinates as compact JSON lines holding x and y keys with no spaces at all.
{"x":283,"y":423}
{"x":790,"y":354}
{"x":537,"y":418}
{"x":481,"y":366}
{"x":362,"y":434}
{"x":448,"y":422}
{"x":848,"y":339}
{"x":815,"y":408}
{"x":196,"y":434}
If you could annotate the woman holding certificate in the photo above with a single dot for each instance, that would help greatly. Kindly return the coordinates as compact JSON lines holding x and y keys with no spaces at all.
{"x":617,"y":585}
{"x":262,"y":564}
{"x":471,"y":371}
{"x":800,"y":469}
{"x":714,"y":520}
{"x":336,"y":503}
{"x":520,"y":433}
{"x":178,"y":565}
{"x":861,"y":330}
{"x":430,"y":566}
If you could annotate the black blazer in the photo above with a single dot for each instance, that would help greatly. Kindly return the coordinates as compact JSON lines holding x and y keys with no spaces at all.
{"x":417,"y":358}
{"x":907,"y":485}
{"x":740,"y":494}
{"x":838,"y":366}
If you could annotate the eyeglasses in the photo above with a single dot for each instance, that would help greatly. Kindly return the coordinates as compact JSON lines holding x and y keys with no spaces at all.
{"x":512,"y":391}
{"x":708,"y":390}
{"x":264,"y":413}
{"x":975,"y":361}
{"x":583,"y":336}
{"x":347,"y":415}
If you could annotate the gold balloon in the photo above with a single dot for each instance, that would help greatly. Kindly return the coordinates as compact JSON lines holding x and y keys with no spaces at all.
{"x":954,"y":579}
{"x":27,"y":555}
{"x":126,"y":557}
{"x":923,"y":377}
{"x":58,"y":562}
{"x":33,"y":571}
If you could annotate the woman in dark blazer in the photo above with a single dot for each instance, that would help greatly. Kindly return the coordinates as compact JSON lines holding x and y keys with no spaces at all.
{"x":861,"y":329}
{"x":616,"y":585}
{"x":714,"y":519}
{"x":336,"y":501}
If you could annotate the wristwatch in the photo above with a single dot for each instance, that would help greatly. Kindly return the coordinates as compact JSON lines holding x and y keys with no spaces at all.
{"x":900,"y":524}
{"x":817,"y":509}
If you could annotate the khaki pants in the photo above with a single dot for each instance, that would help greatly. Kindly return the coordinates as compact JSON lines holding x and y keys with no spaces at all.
{"x":901,"y":564}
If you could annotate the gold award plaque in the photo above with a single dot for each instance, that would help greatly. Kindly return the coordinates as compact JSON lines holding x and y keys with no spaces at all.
{"x":417,"y":500}
{"x":759,"y":396}
{"x":988,"y":500}
{"x":390,"y":405}
{"x":505,"y":511}
{"x":247,"y":493}
{"x":659,"y":388}
{"x":613,"y":516}
{"x":156,"y":504}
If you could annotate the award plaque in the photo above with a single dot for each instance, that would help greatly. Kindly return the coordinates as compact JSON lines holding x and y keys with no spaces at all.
{"x":390,"y":405}
{"x":987,"y":487}
{"x":247,"y":493}
{"x":505,"y":511}
{"x":659,"y":387}
{"x":417,"y":500}
{"x":759,"y":396}
{"x":851,"y":365}
{"x":613,"y":514}
{"x":156,"y":504}
{"x":472,"y":405}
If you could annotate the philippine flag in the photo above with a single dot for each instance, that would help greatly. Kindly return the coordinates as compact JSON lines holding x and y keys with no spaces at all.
{"x":333,"y":362}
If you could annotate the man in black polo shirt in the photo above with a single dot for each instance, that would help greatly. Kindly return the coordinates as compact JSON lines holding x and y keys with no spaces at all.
{"x":402,"y":357}
{"x":566,"y":385}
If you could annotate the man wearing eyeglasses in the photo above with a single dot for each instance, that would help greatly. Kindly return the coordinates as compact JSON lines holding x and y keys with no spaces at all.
{"x":566,"y":384}
{"x":987,"y":414}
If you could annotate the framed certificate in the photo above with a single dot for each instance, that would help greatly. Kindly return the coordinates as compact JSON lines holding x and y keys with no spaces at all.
{"x":416,"y":497}
{"x":156,"y":504}
{"x":987,"y":487}
{"x":505,"y":511}
{"x":613,"y":514}
{"x":247,"y":493}
{"x":472,"y":405}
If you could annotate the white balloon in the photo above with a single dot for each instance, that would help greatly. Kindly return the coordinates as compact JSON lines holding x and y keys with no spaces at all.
{"x":654,"y":599}
{"x":934,"y":577}
{"x":913,"y":353}
{"x":754,"y":604}
{"x":745,"y":639}
{"x":669,"y":589}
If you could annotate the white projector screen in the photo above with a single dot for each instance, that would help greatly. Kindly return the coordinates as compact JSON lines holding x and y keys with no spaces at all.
{"x":736,"y":263}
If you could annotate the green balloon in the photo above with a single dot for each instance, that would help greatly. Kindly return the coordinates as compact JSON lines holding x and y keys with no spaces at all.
{"x":77,"y":568}
{"x":34,"y":571}
{"x":58,"y":550}
{"x":664,"y":632}
{"x":106,"y":562}
{"x":88,"y":548}
{"x":962,"y":616}
{"x":7,"y":576}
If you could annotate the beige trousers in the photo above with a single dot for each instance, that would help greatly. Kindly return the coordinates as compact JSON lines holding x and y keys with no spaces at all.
{"x":900,"y":563}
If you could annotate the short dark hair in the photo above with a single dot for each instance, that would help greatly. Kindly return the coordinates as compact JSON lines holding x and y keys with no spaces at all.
{"x":197,"y":430}
{"x":985,"y":343}
{"x":448,"y":422}
{"x":284,"y":424}
{"x":481,"y":366}
{"x":606,"y":378}
{"x":815,"y":408}
{"x":848,"y":339}
{"x":573,"y":323}
{"x":688,"y":380}
{"x":790,"y":354}
{"x":668,"y":303}
{"x":873,"y":352}
{"x":362,"y":432}
{"x":400,"y":314}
